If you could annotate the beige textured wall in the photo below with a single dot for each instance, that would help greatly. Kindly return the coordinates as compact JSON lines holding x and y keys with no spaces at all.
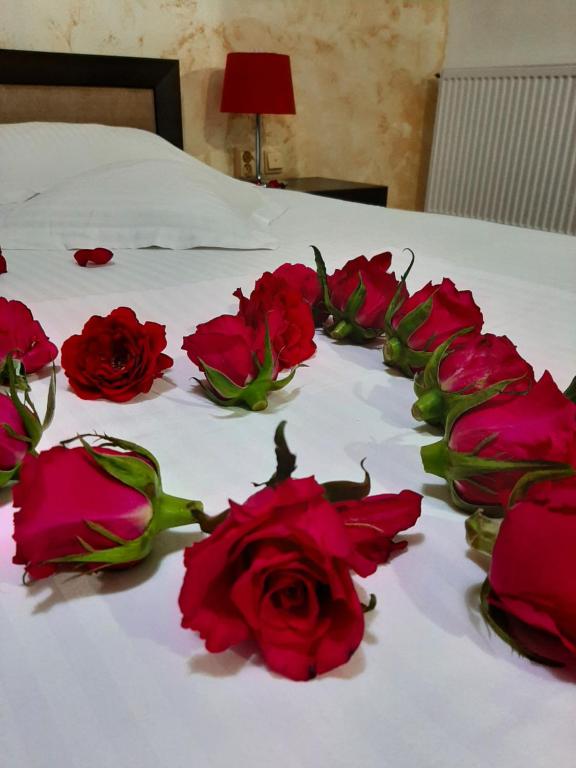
{"x":363,"y":73}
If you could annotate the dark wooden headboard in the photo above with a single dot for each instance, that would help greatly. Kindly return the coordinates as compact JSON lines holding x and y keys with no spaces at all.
{"x":72,"y":87}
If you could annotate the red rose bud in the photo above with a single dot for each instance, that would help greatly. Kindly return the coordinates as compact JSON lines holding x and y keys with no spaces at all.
{"x":530,"y":594}
{"x":489,"y":446}
{"x":3,"y":265}
{"x":22,"y":338}
{"x":237,"y":362}
{"x":20,"y":425}
{"x":275,"y":304}
{"x":358,"y":296}
{"x":416,"y":326}
{"x":460,"y":367}
{"x":92,"y":508}
{"x":98,"y":256}
{"x":115,"y":357}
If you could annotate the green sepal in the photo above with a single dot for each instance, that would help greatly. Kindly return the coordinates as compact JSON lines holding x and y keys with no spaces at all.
{"x":482,"y":531}
{"x":570,"y":392}
{"x":539,"y":476}
{"x":344,"y":325}
{"x":348,"y":490}
{"x":26,"y":410}
{"x":128,"y":470}
{"x":323,"y":279}
{"x":367,"y":607}
{"x":438,"y":459}
{"x":126,"y":551}
{"x":428,"y":378}
{"x":224,"y":386}
{"x":397,"y":299}
{"x":21,"y":380}
{"x":414,"y":320}
{"x":254,"y":395}
{"x":281,"y":383}
{"x":8,"y":475}
{"x":285,"y":459}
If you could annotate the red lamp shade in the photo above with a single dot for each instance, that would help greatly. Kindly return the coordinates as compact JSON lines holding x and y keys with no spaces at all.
{"x":258,"y":83}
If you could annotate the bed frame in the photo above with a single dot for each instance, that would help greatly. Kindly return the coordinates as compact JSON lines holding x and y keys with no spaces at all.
{"x":72,"y":87}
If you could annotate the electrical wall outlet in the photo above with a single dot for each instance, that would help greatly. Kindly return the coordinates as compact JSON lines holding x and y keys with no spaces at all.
{"x":244,"y":164}
{"x":273,"y":160}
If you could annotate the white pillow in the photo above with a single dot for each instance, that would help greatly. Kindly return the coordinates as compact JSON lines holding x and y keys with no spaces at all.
{"x":165,"y":203}
{"x":35,"y":156}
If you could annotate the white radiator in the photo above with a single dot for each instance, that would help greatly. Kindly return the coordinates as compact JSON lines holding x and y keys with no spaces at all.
{"x":505,"y":146}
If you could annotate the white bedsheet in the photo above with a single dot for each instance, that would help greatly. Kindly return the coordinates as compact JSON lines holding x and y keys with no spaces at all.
{"x":97,"y":673}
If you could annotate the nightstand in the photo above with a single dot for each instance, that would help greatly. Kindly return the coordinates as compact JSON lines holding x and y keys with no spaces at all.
{"x":373,"y":194}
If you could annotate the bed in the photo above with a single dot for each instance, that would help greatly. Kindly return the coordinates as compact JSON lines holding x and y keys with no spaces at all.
{"x":96,"y":671}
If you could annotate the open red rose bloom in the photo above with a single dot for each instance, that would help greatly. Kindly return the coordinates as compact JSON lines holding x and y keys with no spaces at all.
{"x":115,"y":357}
{"x":282,"y":307}
{"x":277,"y":571}
{"x":23,"y":337}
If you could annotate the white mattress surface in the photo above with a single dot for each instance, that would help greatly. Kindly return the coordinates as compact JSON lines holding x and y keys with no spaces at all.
{"x":95,"y":672}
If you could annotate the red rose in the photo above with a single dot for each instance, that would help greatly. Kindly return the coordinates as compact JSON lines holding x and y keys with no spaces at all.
{"x":3,"y":265}
{"x":93,"y":255}
{"x":488,"y":448}
{"x":465,"y":366}
{"x":373,"y":522}
{"x":302,"y":279}
{"x":274,"y":303}
{"x":115,"y":357}
{"x":533,"y":572}
{"x":22,"y":337}
{"x":413,"y":334}
{"x":380,"y":287}
{"x":227,"y":344}
{"x":74,"y":512}
{"x":277,"y":571}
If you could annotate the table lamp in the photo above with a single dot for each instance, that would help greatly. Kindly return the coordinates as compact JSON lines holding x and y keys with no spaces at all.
{"x":258,"y":83}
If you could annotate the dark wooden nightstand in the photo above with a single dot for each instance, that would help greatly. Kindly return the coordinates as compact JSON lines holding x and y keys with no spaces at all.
{"x":373,"y":194}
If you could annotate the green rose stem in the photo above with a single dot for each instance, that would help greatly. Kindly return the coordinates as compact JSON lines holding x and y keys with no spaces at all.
{"x":429,"y":407}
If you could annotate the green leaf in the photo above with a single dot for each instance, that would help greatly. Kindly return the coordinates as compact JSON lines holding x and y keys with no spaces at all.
{"x":347,"y":490}
{"x":127,"y":445}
